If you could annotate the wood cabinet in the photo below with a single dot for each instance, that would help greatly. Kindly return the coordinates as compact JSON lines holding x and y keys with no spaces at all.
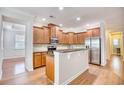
{"x":37,"y":35}
{"x":39,"y":59}
{"x":50,"y":67}
{"x":46,"y":35}
{"x":41,"y":35}
{"x":65,"y":38}
{"x":71,"y":38}
{"x":89,"y":33}
{"x":53,"y":29}
{"x":75,"y":38}
{"x":96,"y":32}
{"x":59,"y":35}
{"x":44,"y":59}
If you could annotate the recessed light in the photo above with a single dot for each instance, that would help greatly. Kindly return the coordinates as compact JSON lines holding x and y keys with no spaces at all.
{"x":87,"y":25}
{"x":61,"y":25}
{"x":43,"y":19}
{"x":78,"y":18}
{"x":61,"y":8}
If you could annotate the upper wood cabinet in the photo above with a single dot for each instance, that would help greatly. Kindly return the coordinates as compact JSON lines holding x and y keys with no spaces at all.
{"x":59,"y":35}
{"x":71,"y":38}
{"x":75,"y":38}
{"x":65,"y":38}
{"x":96,"y":32}
{"x":41,"y":35}
{"x":37,"y":35}
{"x":46,"y":35}
{"x":89,"y":33}
{"x":53,"y":29}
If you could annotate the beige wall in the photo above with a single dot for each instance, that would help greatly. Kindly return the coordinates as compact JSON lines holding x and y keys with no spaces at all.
{"x":109,"y":40}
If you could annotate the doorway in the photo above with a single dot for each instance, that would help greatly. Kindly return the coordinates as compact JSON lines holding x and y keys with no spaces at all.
{"x":13,"y":49}
{"x":116,"y":44}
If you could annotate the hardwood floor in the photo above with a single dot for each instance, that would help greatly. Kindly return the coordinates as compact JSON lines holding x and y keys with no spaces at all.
{"x":111,"y":74}
{"x":12,"y":67}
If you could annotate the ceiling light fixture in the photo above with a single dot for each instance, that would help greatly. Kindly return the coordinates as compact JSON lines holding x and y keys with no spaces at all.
{"x":87,"y":25}
{"x":61,"y":25}
{"x":61,"y":8}
{"x":78,"y":18}
{"x":43,"y":19}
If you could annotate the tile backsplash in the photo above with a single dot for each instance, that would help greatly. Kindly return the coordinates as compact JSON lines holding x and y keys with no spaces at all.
{"x":43,"y":47}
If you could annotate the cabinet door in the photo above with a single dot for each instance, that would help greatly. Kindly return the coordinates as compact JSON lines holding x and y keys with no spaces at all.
{"x":75,"y":41}
{"x":65,"y":38}
{"x":50,"y":68}
{"x":59,"y":36}
{"x":37,"y":61}
{"x":53,"y":31}
{"x":46,"y":35}
{"x":79,"y":38}
{"x":96,"y":32}
{"x":37,"y":35}
{"x":71,"y":36}
{"x":44,"y":59}
{"x":89,"y":33}
{"x":83,"y":34}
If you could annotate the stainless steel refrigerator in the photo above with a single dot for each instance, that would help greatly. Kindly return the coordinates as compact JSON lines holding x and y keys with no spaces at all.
{"x":94,"y":45}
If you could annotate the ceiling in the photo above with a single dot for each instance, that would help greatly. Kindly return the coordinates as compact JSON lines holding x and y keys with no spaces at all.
{"x":113,"y":17}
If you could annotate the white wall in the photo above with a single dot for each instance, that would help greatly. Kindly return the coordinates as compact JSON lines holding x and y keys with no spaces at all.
{"x":1,"y":51}
{"x":69,"y":65}
{"x":9,"y":43}
{"x":28,"y":21}
{"x":103,"y":44}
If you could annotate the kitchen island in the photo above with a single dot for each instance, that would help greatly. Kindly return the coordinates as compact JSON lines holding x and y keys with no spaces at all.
{"x":67,"y":65}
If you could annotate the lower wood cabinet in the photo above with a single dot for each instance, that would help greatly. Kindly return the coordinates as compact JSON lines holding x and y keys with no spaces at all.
{"x":50,"y":67}
{"x":39,"y":59}
{"x":44,"y":59}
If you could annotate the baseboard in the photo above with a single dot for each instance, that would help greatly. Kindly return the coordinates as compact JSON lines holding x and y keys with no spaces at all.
{"x":74,"y":77}
{"x":28,"y":68}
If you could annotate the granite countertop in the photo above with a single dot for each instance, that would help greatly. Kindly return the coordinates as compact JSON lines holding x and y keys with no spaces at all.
{"x":39,"y":51}
{"x":70,"y":50}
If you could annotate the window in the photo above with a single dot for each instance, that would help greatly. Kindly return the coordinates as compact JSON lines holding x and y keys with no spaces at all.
{"x":19,"y":41}
{"x":115,"y":42}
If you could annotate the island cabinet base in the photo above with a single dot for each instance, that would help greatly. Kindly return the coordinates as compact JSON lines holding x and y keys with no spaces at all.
{"x":50,"y":67}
